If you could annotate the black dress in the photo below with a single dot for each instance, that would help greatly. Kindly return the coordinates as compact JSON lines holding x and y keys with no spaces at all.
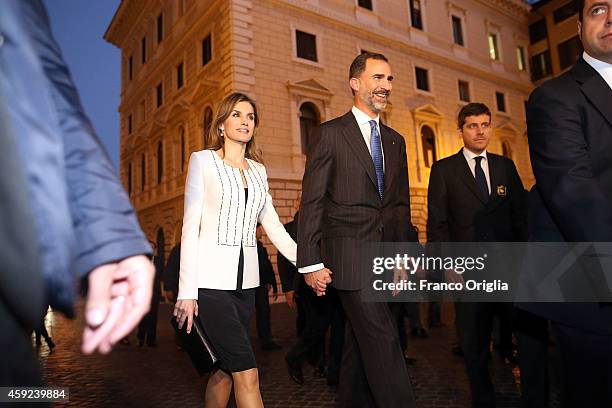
{"x":225,"y":316}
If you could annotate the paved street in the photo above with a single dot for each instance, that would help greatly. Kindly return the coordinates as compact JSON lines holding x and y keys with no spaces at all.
{"x":163,"y":377}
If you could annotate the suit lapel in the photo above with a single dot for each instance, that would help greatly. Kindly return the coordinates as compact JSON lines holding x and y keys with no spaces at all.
{"x":354,"y":139}
{"x":496,"y":175}
{"x":595,"y":88}
{"x":465,"y":174}
{"x":390,"y":154}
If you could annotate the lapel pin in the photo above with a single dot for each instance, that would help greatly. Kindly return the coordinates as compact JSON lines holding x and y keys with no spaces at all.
{"x":502,"y":191}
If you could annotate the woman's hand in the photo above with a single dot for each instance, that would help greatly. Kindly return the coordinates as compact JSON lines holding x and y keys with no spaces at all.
{"x":185,"y":309}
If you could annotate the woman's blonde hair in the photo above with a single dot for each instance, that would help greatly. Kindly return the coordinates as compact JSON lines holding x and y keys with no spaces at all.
{"x":216,"y":139}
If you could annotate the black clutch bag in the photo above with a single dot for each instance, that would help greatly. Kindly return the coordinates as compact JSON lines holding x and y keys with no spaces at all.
{"x":197,"y":346}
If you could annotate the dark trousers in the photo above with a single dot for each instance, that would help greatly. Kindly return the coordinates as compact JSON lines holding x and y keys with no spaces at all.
{"x":147,"y":328}
{"x":474,"y":322}
{"x":19,"y":364}
{"x":321,"y":314}
{"x":262,"y":314}
{"x":586,"y":363}
{"x":532,"y":336}
{"x":376,"y":377}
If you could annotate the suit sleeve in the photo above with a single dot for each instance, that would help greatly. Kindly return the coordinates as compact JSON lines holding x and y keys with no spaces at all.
{"x":561,"y":161}
{"x":319,"y":165}
{"x":408,"y":232}
{"x":519,"y":204}
{"x":104,"y":222}
{"x":437,"y":207}
{"x":192,"y":214}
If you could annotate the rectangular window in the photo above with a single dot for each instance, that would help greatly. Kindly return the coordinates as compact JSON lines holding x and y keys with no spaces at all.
{"x":500,"y":98}
{"x":520,"y":57}
{"x":464,"y":91}
{"x":537,"y":31}
{"x":416,"y":17}
{"x":540,"y":65}
{"x":160,"y":28}
{"x":160,"y":94}
{"x":569,"y":52}
{"x":142,"y":111}
{"x":493,"y":50}
{"x":131,"y":68}
{"x":130,"y":124}
{"x":566,"y":11}
{"x":457,"y":31}
{"x":206,"y":49}
{"x":180,"y":75}
{"x":306,"y":45}
{"x":143,"y":50}
{"x":422,"y":79}
{"x":367,"y":4}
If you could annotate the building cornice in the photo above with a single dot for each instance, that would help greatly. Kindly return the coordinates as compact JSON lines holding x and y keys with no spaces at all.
{"x":403,"y":42}
{"x":123,"y":21}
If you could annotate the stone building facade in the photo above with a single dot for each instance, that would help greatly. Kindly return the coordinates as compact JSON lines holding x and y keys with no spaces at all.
{"x":554,"y":45}
{"x":180,"y":57}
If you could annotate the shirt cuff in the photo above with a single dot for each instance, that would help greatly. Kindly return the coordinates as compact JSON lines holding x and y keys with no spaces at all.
{"x":311,"y":268}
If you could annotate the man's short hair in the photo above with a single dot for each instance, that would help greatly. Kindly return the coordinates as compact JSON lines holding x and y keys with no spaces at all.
{"x":359,"y":63}
{"x":580,"y":9}
{"x":472,"y":109}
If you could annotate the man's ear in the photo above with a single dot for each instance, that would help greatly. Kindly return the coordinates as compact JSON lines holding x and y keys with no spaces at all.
{"x":354,"y":83}
{"x":580,"y":30}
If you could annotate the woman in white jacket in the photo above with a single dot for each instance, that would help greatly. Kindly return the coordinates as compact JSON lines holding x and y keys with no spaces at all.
{"x":226,"y":196}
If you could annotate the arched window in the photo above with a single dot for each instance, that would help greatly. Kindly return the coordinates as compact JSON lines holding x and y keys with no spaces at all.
{"x":142,"y":172}
{"x":160,"y":162}
{"x":309,"y":121}
{"x":182,"y":148}
{"x":129,"y":178}
{"x":207,"y":121}
{"x":506,"y":149}
{"x":428,"y":139}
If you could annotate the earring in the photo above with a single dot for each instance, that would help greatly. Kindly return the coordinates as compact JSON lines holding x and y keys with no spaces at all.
{"x":221,"y":132}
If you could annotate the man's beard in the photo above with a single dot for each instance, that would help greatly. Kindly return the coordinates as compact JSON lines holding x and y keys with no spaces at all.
{"x":377,"y":107}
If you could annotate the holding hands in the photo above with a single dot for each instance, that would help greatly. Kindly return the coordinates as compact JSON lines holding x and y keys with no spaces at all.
{"x":318,"y":280}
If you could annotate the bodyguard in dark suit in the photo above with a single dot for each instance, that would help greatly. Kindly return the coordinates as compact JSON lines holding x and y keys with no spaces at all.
{"x":569,"y":124}
{"x":355,"y":190}
{"x":476,"y":196}
{"x":320,"y":314}
{"x":267,"y":281}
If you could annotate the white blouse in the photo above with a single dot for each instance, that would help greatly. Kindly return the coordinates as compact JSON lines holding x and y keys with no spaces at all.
{"x":217,"y":222}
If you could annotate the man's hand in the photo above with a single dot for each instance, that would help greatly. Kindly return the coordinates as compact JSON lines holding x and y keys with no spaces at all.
{"x":269,"y":287}
{"x":290,"y":297}
{"x":453,"y":277}
{"x":119,"y":296}
{"x":399,"y":274}
{"x":318,"y":280}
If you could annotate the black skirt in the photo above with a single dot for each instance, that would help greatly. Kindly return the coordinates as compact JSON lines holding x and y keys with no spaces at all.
{"x":225,"y":316}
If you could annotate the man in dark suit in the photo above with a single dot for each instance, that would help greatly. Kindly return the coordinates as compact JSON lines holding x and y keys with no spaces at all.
{"x":569,"y":124}
{"x":355,"y":190}
{"x":476,"y":196}
{"x":147,"y":328}
{"x":320,"y":314}
{"x":267,"y":281}
{"x":83,"y":224}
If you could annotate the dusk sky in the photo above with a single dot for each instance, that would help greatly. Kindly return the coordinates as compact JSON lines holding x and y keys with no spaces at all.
{"x":78,"y":27}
